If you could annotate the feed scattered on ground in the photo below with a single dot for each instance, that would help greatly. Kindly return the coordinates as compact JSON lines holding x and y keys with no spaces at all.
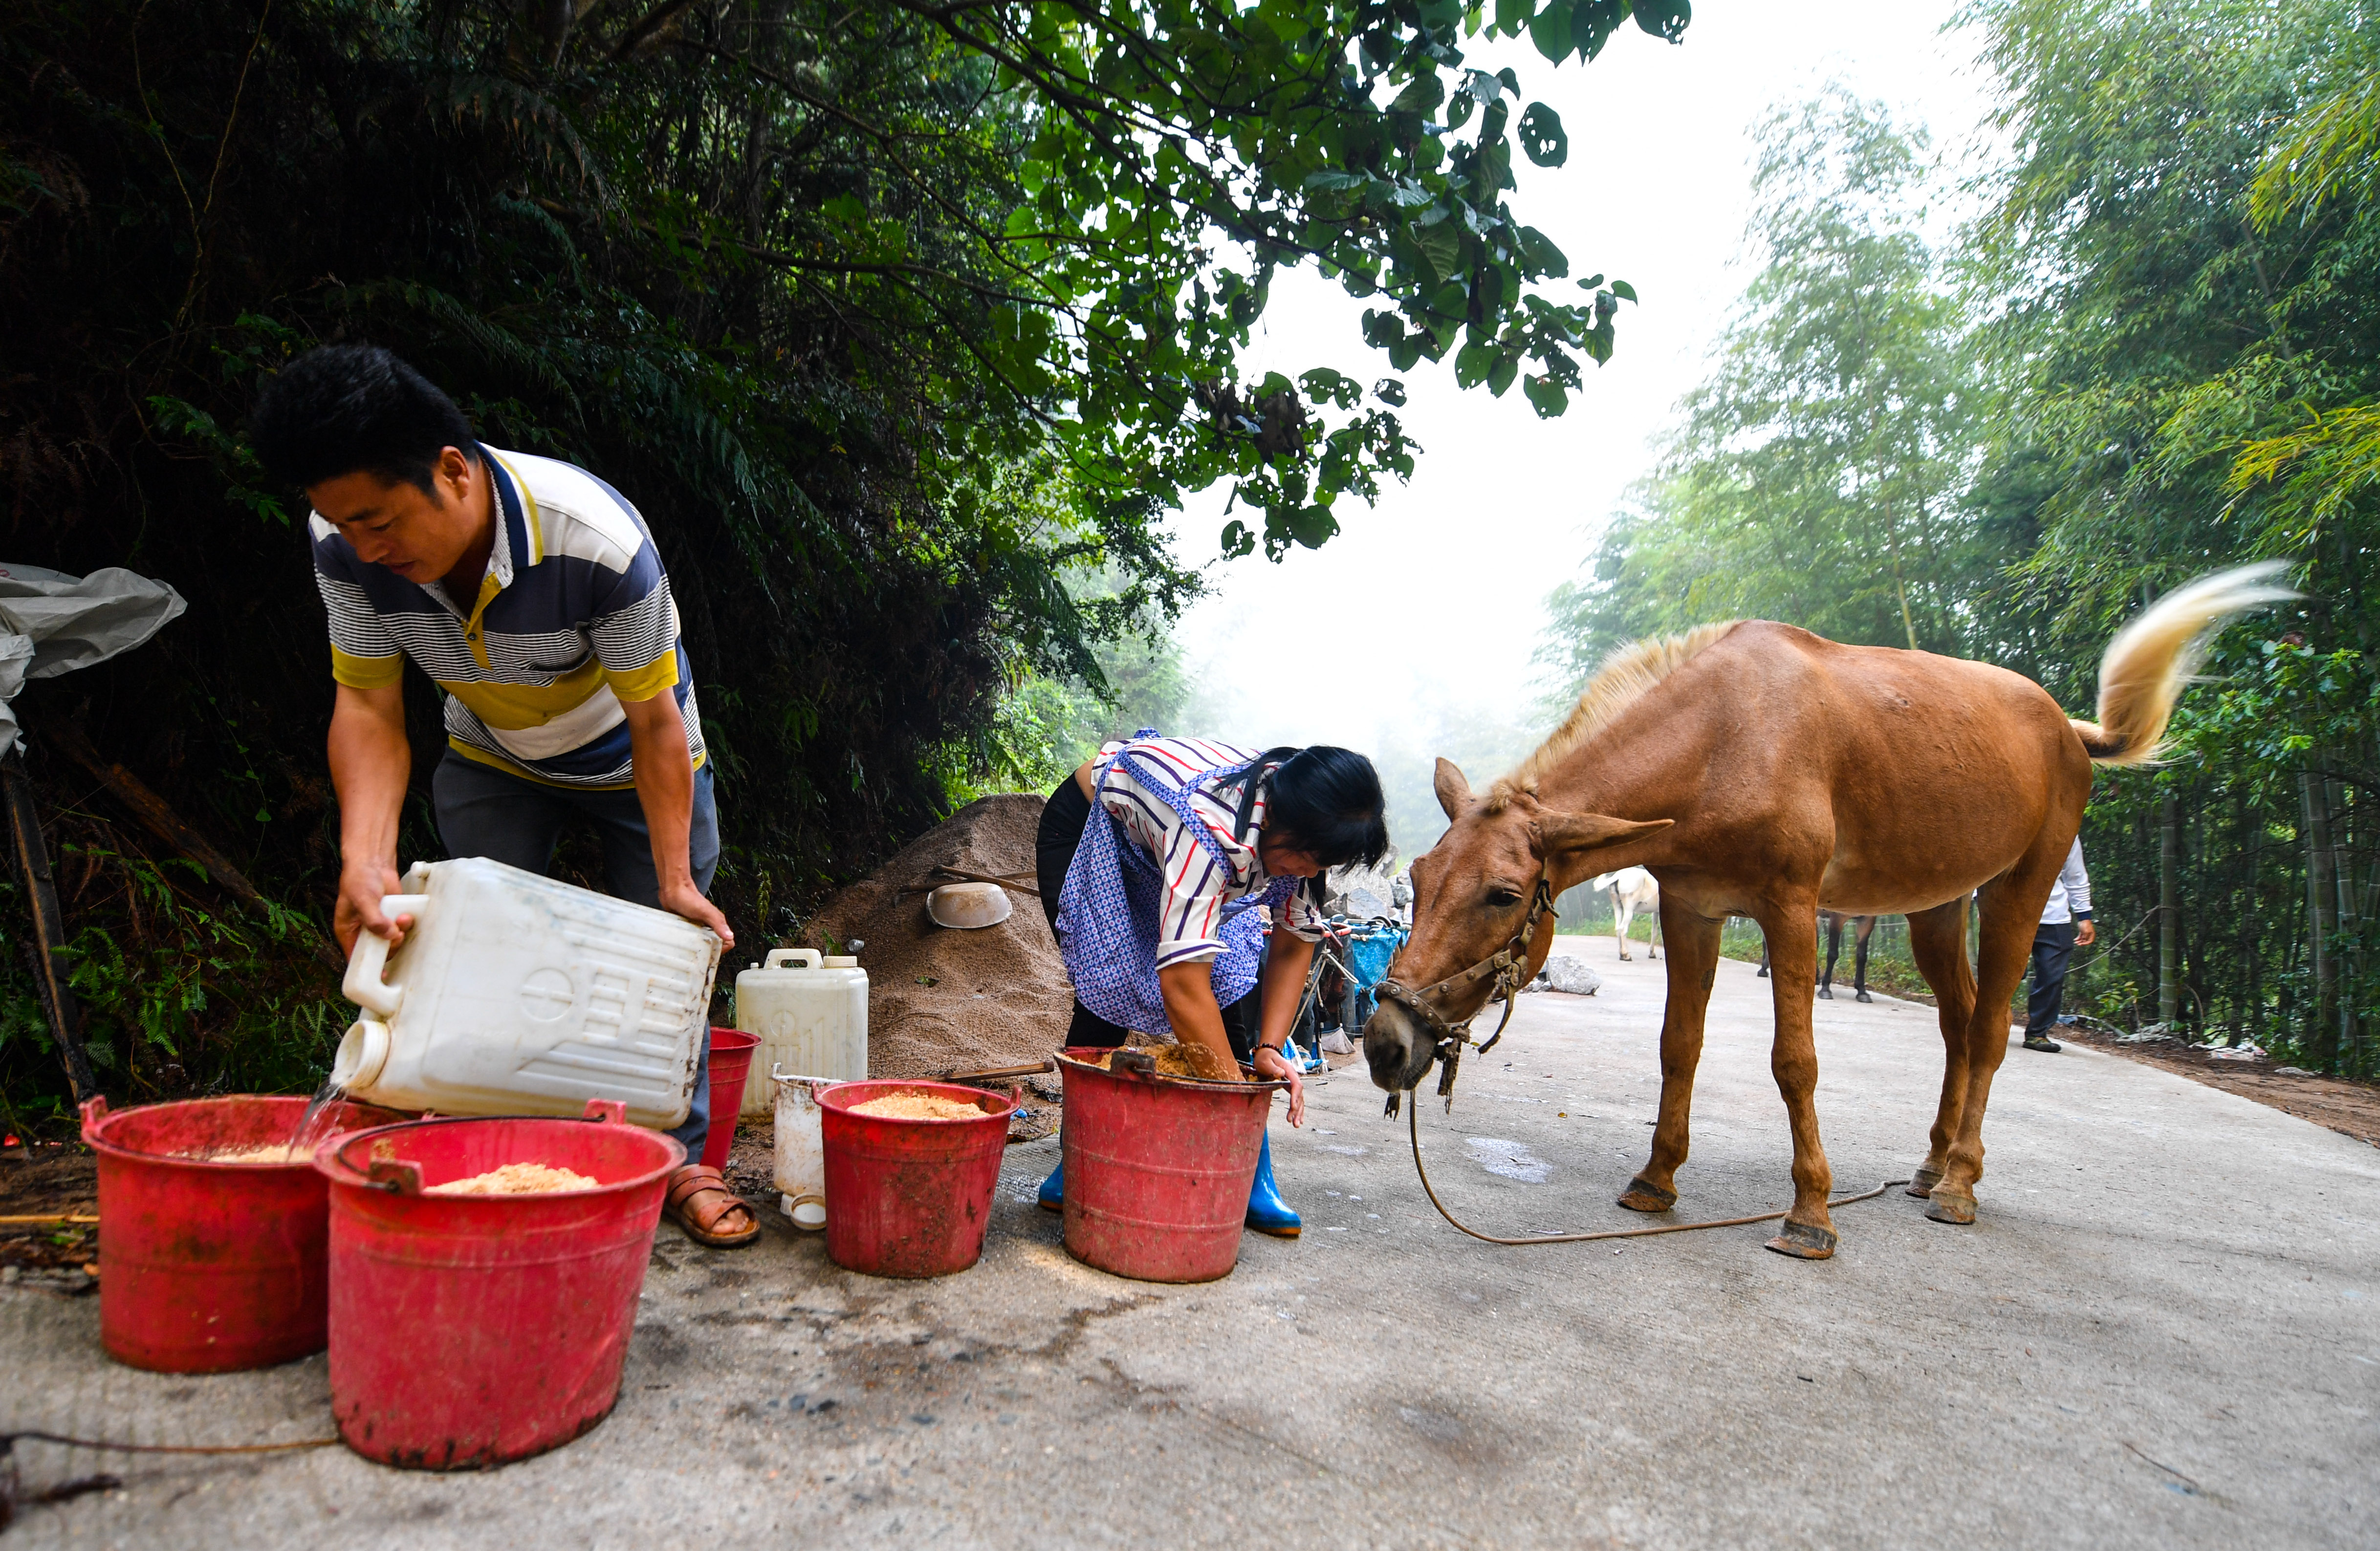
{"x":517,"y":1179}
{"x":919,"y":1107}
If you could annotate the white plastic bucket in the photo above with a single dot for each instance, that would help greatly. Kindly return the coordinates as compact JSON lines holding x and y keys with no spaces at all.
{"x":801,"y":1148}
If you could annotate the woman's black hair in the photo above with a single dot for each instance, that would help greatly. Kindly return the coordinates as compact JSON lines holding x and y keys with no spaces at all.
{"x":341,"y":409}
{"x":1324,"y":801}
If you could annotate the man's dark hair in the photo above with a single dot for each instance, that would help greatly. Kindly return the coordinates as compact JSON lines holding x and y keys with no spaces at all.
{"x":344,"y":409}
{"x":1325,"y":802}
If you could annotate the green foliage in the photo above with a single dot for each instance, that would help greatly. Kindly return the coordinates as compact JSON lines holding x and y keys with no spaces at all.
{"x":1818,"y":473}
{"x":2190,"y":350}
{"x":895,"y":322}
{"x":2154,"y":354}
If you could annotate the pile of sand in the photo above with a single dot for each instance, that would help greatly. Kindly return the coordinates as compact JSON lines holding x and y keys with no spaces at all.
{"x":517,"y":1179}
{"x":919,"y":1107}
{"x":942,"y":1000}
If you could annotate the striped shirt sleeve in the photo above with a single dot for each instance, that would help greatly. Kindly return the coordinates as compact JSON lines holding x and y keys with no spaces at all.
{"x":1196,"y":884}
{"x":363,"y":654}
{"x":634,"y":629}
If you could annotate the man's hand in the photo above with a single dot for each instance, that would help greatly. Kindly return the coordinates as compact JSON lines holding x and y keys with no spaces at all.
{"x":1274,"y":1066}
{"x":362,"y":885}
{"x":681,"y":898}
{"x":2086,"y":934}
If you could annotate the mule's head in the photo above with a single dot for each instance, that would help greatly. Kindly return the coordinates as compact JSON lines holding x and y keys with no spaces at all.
{"x":1472,"y":893}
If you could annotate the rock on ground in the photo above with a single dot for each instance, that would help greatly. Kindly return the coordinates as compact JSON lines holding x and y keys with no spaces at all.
{"x":1566,"y":973}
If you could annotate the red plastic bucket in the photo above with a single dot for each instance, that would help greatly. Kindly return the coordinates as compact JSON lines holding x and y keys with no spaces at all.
{"x":467,"y":1330}
{"x":206,"y":1267}
{"x":1157,"y":1170}
{"x":909,"y":1199}
{"x":730,"y":1063}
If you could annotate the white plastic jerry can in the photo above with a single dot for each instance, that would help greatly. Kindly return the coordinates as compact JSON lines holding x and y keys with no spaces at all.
{"x":515,"y":994}
{"x":810,"y":1013}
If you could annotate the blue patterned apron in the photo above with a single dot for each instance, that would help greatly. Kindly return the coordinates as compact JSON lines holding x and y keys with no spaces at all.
{"x":1107,"y":910}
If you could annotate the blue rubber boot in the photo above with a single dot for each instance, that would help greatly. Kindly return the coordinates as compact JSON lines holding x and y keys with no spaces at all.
{"x":1053,"y":1189}
{"x":1267,"y":1213}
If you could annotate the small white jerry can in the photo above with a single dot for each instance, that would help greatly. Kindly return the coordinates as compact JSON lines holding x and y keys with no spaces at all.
{"x":810,"y":1013}
{"x":519,"y":994}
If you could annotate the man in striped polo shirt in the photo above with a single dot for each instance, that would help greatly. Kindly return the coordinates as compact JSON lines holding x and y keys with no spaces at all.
{"x":529,"y":591}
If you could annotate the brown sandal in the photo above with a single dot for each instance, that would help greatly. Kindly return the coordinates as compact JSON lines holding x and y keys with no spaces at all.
{"x":700,"y":1201}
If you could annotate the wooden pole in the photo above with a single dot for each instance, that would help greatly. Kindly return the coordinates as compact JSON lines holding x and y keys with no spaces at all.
{"x":49,"y":926}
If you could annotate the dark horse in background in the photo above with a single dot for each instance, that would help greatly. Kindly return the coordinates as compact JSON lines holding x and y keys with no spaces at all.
{"x":1757,"y":770}
{"x":1864,"y":927}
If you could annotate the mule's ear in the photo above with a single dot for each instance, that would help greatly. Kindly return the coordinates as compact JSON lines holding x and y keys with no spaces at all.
{"x":1590,"y":831}
{"x":1453,"y":791}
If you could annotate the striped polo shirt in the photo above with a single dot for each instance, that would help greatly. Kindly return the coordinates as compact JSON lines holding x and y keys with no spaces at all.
{"x":1197,"y":886}
{"x":573,"y":617}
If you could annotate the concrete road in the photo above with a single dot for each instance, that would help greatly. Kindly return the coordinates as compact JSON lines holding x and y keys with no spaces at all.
{"x":2163,"y":1331}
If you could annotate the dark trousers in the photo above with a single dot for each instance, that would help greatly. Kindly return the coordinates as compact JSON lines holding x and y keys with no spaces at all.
{"x":2052,"y":946}
{"x":486,"y":812}
{"x":1053,"y":851}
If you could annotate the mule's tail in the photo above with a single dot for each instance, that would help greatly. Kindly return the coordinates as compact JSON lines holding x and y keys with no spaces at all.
{"x":2152,"y":658}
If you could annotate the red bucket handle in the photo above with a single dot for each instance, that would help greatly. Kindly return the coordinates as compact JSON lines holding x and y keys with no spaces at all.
{"x":610,"y":1111}
{"x":95,"y":1109}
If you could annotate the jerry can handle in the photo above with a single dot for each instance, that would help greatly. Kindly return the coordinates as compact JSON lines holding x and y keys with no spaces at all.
{"x":363,"y":984}
{"x":808,"y":958}
{"x":95,"y":1109}
{"x":611,"y":1111}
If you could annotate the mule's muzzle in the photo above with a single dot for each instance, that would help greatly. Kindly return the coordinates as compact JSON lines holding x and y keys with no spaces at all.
{"x":1397,"y":1048}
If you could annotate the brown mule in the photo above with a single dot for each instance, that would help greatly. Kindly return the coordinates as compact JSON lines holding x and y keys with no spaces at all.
{"x":1767,"y":772}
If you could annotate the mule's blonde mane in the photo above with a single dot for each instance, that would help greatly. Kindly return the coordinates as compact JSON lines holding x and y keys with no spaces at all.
{"x":1621,"y":679}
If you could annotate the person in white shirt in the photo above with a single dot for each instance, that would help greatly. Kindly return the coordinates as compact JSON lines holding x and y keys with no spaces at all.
{"x":2064,"y":926}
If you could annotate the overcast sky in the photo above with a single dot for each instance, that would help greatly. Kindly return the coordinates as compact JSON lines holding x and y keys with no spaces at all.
{"x":1426,"y":606}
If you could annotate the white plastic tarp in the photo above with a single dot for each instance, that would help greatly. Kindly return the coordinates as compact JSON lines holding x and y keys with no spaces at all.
{"x":53,"y":624}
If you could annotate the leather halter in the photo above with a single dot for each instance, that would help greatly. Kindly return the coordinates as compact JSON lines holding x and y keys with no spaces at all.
{"x":1506,"y":968}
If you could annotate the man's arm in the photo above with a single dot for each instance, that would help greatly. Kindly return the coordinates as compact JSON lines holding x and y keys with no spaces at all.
{"x":370,"y":763}
{"x":666,"y":789}
{"x":2078,"y":896}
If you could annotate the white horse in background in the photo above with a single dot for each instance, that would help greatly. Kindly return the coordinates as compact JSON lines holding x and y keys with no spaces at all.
{"x":1632,"y":890}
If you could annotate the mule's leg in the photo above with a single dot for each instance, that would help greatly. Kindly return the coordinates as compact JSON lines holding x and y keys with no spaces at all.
{"x":1653,"y":945}
{"x":1808,"y":1232}
{"x":1834,"y":952}
{"x":1937,"y":942}
{"x":2012,"y":913}
{"x":1694,"y":964}
{"x":1623,"y":914}
{"x":1859,"y":958}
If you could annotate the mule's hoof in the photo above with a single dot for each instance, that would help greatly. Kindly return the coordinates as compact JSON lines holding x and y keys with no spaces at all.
{"x":1921,"y":1185}
{"x":1825,"y":995}
{"x":1640,"y":1197}
{"x":1626,"y":960}
{"x":1863,"y":996}
{"x":1959,"y":1210}
{"x":1805,"y":1242}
